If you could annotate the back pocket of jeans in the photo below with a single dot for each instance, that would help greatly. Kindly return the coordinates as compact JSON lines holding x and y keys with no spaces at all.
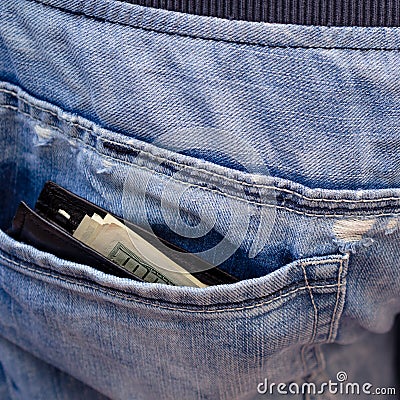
{"x":269,"y":327}
{"x":130,"y":334}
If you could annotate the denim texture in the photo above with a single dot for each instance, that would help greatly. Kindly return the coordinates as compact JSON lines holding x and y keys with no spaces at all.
{"x":270,"y":150}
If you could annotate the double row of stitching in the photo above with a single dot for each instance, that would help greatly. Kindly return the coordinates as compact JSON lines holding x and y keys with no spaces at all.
{"x":196,"y":169}
{"x":336,"y":307}
{"x":336,"y":311}
{"x":311,"y":354}
{"x":319,"y":201}
{"x":202,"y":37}
{"x":315,"y":323}
{"x":327,"y":214}
{"x":258,"y":185}
{"x":19,"y":266}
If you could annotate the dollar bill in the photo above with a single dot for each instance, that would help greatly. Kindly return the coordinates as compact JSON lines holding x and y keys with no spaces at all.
{"x":126,"y":248}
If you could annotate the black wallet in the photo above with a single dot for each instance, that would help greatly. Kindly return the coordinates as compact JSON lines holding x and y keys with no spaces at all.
{"x":49,"y":230}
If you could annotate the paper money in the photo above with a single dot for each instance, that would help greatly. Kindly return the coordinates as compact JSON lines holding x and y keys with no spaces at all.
{"x":126,"y":248}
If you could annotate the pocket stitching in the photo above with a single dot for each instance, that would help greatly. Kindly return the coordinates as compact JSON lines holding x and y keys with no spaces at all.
{"x":325,"y":215}
{"x":338,"y":295}
{"x":131,"y":299}
{"x":312,"y":301}
{"x":157,"y":157}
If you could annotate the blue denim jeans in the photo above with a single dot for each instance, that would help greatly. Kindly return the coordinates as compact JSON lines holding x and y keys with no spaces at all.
{"x":270,"y":150}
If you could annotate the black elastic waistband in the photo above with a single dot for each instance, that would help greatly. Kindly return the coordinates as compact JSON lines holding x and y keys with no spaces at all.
{"x":303,"y":12}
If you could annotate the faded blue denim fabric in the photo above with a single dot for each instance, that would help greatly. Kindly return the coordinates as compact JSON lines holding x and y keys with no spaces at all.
{"x":269,"y":150}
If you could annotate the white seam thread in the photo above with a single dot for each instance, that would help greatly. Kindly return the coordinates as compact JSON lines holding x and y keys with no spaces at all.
{"x":251,"y":185}
{"x":312,"y":301}
{"x":208,"y":189}
{"x":148,"y":153}
{"x":130,"y":299}
{"x":46,"y":111}
{"x":311,"y":262}
{"x":337,"y":302}
{"x":10,"y":107}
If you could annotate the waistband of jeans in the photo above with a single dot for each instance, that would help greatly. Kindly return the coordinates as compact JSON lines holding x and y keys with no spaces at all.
{"x":303,"y":12}
{"x":231,"y":31}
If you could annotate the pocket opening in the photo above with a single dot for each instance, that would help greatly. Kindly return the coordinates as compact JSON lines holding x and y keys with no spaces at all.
{"x":241,"y":236}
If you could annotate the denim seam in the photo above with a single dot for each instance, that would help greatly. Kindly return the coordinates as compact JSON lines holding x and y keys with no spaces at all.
{"x":338,"y":295}
{"x":310,"y":349}
{"x":208,"y":172}
{"x":315,"y":322}
{"x":195,"y":169}
{"x":255,"y":185}
{"x":319,"y":357}
{"x":219,"y":192}
{"x":176,"y":34}
{"x":135,"y":300}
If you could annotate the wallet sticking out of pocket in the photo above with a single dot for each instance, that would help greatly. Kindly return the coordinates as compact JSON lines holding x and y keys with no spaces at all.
{"x":57,"y":215}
